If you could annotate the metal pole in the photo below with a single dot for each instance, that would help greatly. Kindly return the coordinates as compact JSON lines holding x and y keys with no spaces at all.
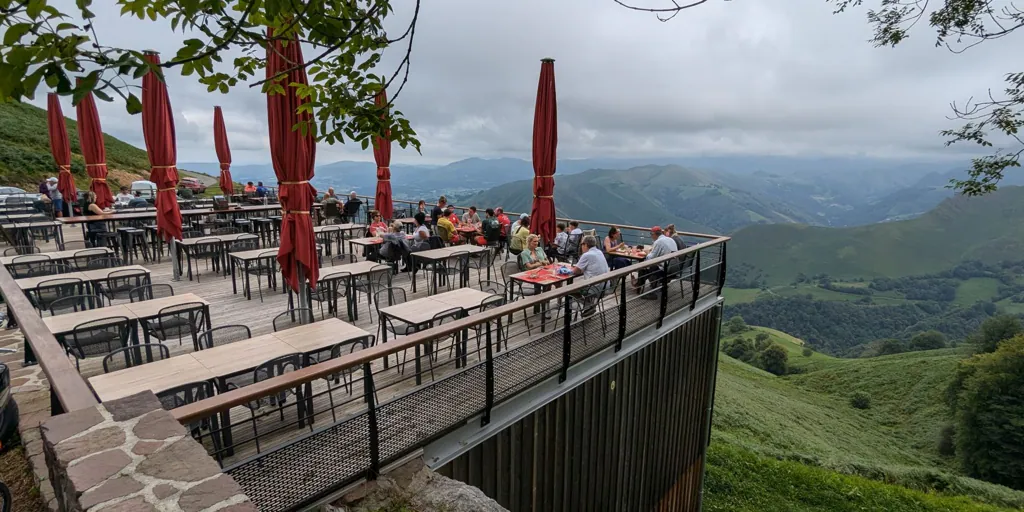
{"x":171,"y":247}
{"x":303,"y":293}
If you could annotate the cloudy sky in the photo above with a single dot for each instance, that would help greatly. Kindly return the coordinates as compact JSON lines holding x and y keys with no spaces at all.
{"x":746,"y":76}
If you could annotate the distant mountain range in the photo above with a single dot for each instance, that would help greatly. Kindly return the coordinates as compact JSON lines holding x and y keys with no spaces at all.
{"x":988,"y":229}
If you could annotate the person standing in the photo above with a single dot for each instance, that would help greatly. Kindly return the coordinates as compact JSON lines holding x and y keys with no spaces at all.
{"x":55,"y":196}
{"x":438,"y":211}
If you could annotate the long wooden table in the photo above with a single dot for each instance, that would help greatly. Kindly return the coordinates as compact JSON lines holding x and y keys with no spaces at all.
{"x":56,"y":255}
{"x":136,"y":312}
{"x":432,"y":257}
{"x":18,"y":231}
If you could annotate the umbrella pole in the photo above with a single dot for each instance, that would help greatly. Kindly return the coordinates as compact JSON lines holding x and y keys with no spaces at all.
{"x":175,"y":275}
{"x":303,"y":294}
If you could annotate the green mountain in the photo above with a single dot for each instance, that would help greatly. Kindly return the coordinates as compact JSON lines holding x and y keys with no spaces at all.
{"x":650,"y":195}
{"x":987,"y":229}
{"x":779,"y":442}
{"x":25,"y":158}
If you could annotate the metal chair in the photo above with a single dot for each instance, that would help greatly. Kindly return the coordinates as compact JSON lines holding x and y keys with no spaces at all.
{"x":75,"y":303}
{"x":328,"y":290}
{"x":516,"y":290}
{"x":223,"y":335}
{"x":292,"y":318}
{"x":378,"y":278}
{"x":481,"y":262}
{"x":189,"y":393}
{"x":134,"y":355}
{"x":120,"y":283}
{"x":25,"y":266}
{"x":21,"y":250}
{"x":487,"y":303}
{"x":107,"y":262}
{"x":444,"y":317}
{"x":273,"y":368}
{"x":150,"y":292}
{"x":264,"y":265}
{"x":82,"y":258}
{"x":175,"y":321}
{"x":98,"y":338}
{"x":52,"y":290}
{"x":50,"y":268}
{"x":342,"y":376}
{"x":206,"y":249}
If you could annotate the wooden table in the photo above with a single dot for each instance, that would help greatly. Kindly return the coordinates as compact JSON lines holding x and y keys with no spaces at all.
{"x":245,"y":259}
{"x":18,"y":232}
{"x":56,"y":255}
{"x":157,"y":376}
{"x":136,"y":312}
{"x":629,"y":253}
{"x":542,"y":280}
{"x":347,"y":272}
{"x":189,"y":245}
{"x":432,"y":257}
{"x":327,"y":233}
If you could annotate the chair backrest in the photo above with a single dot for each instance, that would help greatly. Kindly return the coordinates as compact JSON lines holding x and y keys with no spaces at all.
{"x":192,"y":313}
{"x":56,"y":288}
{"x":24,"y":266}
{"x":150,"y":291}
{"x":379,"y":276}
{"x":21,"y":249}
{"x":572,"y":244}
{"x":105,"y":262}
{"x":435,"y":242}
{"x":134,"y":355}
{"x":493,"y":287}
{"x":185,"y":394}
{"x":207,"y":244}
{"x":458,"y":261}
{"x":75,"y":303}
{"x":331,"y":210}
{"x":389,"y":296}
{"x":99,"y":337}
{"x":492,"y":302}
{"x":83,"y":257}
{"x":448,"y":315}
{"x":223,"y":335}
{"x":223,"y":231}
{"x":191,"y":233}
{"x":277,"y":366}
{"x":50,"y":268}
{"x":508,"y":269}
{"x":292,"y":318}
{"x":121,"y":282}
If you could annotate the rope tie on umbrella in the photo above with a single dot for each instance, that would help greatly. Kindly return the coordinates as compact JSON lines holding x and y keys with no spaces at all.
{"x":297,"y":212}
{"x":166,"y":189}
{"x":544,"y":197}
{"x":293,"y":182}
{"x":95,"y":165}
{"x":165,"y":167}
{"x":65,"y":168}
{"x":99,"y":179}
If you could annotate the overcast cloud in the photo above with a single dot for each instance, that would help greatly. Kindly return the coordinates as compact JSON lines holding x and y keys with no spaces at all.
{"x":747,"y":76}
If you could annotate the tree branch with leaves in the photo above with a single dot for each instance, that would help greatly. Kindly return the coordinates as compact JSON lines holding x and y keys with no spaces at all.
{"x":225,"y":49}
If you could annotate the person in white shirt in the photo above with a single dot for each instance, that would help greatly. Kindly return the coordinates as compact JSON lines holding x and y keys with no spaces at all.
{"x":516,"y":224}
{"x":560,"y":239}
{"x":592,"y":264}
{"x":662,"y":245}
{"x":123,"y":196}
{"x":574,"y":228}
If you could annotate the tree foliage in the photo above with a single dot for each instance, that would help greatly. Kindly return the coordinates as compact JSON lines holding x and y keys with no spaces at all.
{"x":225,"y":48}
{"x":774,"y":359}
{"x":994,"y":331}
{"x":928,"y":340}
{"x":990,"y":414}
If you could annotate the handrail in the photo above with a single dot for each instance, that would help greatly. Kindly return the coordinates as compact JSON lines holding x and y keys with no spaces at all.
{"x":587,"y":222}
{"x":66,"y":384}
{"x":221,"y":402}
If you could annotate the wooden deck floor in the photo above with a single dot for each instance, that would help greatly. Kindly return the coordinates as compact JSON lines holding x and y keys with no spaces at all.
{"x":229,"y":308}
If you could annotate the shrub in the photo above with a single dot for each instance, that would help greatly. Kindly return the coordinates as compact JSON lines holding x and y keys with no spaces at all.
{"x":989,"y":405}
{"x":947,"y":441}
{"x":928,"y":340}
{"x":774,"y":359}
{"x":740,"y":348}
{"x":995,"y":330}
{"x":807,"y":352}
{"x":860,"y":400}
{"x":736,"y":325}
{"x":891,"y":346}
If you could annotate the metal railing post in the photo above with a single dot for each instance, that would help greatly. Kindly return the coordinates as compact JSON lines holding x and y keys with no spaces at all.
{"x":566,"y":339}
{"x":663,"y":302}
{"x":622,"y":315}
{"x":371,"y":417}
{"x":696,"y":281}
{"x":721,"y":270}
{"x":489,"y":380}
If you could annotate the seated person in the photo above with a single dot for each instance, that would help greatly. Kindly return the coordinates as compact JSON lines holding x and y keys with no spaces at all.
{"x":490,"y":229}
{"x":421,"y":236}
{"x":613,"y":242}
{"x":471,"y":217}
{"x":377,"y":227}
{"x":261,"y":191}
{"x":662,"y":245}
{"x":330,"y":197}
{"x":123,"y":196}
{"x":452,"y":216}
{"x":574,"y":228}
{"x":249,"y":188}
{"x":352,"y":206}
{"x":533,"y":256}
{"x":670,"y":231}
{"x":560,"y":238}
{"x":446,"y":230}
{"x":503,"y":220}
{"x":138,"y":200}
{"x":422,"y":208}
{"x":395,"y":246}
{"x":590,"y":265}
{"x":517,"y":242}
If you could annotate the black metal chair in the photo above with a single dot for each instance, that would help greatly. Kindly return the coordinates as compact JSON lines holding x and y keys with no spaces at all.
{"x":98,"y":338}
{"x":273,"y":368}
{"x":223,"y":335}
{"x":189,"y":393}
{"x":292,"y":318}
{"x":51,"y":290}
{"x":328,"y":290}
{"x":50,"y":268}
{"x":82,"y":258}
{"x":342,"y":376}
{"x":378,"y":278}
{"x":27,"y":265}
{"x":588,"y":301}
{"x":175,"y":321}
{"x":120,"y":283}
{"x":75,"y":303}
{"x":572,"y":248}
{"x":204,"y":249}
{"x":444,"y":317}
{"x":134,"y":355}
{"x":21,"y":250}
{"x":102,"y":263}
{"x":488,"y":303}
{"x":150,"y":292}
{"x":516,"y":290}
{"x":261,"y":266}
{"x":481,"y":262}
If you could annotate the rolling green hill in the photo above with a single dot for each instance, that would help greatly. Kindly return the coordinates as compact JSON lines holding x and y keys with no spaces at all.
{"x":649,"y":195}
{"x":782,"y":433}
{"x":25,"y":158}
{"x":988,"y":229}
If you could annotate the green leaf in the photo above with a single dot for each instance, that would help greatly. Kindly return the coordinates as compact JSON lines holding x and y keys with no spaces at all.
{"x":15,"y":32}
{"x":35,"y":8}
{"x":103,"y":96}
{"x":366,"y":143}
{"x":133,"y":105}
{"x":66,"y":26}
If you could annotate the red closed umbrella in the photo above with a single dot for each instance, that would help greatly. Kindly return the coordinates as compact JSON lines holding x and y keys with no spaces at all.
{"x":60,"y":148}
{"x":90,"y":138}
{"x":220,"y":140}
{"x":382,"y":155}
{"x":545,"y":141}
{"x":158,"y":130}
{"x":293,"y":154}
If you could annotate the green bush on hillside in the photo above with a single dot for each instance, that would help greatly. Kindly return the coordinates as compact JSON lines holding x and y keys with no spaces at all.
{"x":947,"y":441}
{"x":736,"y":325}
{"x":891,"y":346}
{"x":995,"y":330}
{"x":990,"y":414}
{"x":807,"y":352}
{"x":774,"y":359}
{"x":860,"y":400}
{"x":928,"y":340}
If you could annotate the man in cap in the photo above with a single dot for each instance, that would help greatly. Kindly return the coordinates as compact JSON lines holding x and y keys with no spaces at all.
{"x":55,"y":196}
{"x":662,"y":245}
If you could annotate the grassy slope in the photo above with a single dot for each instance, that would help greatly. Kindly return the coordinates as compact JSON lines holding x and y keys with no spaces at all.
{"x":987,"y":229}
{"x":807,"y":418}
{"x":25,"y":158}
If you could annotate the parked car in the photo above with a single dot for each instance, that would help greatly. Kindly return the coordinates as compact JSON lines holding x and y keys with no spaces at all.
{"x":147,"y":189}
{"x":15,"y":192}
{"x":192,"y":184}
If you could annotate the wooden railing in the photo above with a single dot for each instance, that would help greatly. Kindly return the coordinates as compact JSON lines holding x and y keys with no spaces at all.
{"x":68,"y":390}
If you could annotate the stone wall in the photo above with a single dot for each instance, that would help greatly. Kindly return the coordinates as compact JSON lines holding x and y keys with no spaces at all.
{"x":413,"y":486}
{"x":131,"y":455}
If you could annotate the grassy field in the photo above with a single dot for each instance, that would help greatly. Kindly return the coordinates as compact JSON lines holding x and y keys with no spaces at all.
{"x":975,"y":289}
{"x":806,"y":418}
{"x":742,"y":295}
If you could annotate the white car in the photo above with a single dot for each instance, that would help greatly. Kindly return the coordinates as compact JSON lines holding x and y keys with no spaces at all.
{"x":15,"y":192}
{"x":147,"y":189}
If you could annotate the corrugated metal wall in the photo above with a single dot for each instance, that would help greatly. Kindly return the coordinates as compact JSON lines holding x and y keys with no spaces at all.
{"x":631,"y":438}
